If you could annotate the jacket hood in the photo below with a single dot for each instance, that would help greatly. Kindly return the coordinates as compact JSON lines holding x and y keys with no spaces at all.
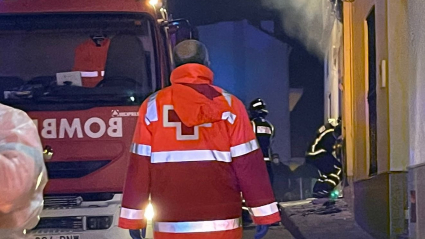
{"x":194,"y":99}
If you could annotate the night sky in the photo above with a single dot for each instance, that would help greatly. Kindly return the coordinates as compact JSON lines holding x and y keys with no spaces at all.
{"x":202,"y":12}
{"x":306,"y":70}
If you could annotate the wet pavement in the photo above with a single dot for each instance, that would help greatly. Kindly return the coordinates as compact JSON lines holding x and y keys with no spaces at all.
{"x":304,"y":219}
{"x":314,"y":220}
{"x":278,"y":232}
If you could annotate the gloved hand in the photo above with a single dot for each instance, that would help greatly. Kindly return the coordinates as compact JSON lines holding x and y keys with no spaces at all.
{"x":261,"y":231}
{"x":138,"y":234}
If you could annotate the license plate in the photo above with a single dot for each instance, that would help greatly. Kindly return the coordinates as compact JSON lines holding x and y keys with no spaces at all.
{"x":58,"y":237}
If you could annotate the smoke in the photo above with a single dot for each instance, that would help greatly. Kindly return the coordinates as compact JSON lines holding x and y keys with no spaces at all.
{"x":309,"y":21}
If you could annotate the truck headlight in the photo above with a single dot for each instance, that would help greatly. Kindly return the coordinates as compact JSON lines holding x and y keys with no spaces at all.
{"x":99,"y":223}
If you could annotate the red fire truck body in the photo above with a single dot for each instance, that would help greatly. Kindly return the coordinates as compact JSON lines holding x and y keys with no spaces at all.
{"x":80,"y":69}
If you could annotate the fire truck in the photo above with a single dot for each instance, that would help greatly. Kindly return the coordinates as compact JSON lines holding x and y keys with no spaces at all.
{"x":81,"y":69}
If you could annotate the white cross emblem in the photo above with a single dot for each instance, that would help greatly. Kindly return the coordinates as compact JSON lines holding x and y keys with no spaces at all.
{"x":176,"y":123}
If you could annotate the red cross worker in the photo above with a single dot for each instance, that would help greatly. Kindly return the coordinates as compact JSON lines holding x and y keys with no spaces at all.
{"x":194,"y":154}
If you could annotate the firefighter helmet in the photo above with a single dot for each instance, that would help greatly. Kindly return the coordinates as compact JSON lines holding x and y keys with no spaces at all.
{"x":258,"y":108}
{"x":336,"y":124}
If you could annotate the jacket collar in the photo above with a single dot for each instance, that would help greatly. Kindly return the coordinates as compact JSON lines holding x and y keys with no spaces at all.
{"x":192,"y":73}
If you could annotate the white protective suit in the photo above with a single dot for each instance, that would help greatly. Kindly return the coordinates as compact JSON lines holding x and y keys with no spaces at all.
{"x":22,"y":173}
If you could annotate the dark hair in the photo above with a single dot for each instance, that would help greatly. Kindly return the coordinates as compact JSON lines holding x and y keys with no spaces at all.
{"x":190,"y":51}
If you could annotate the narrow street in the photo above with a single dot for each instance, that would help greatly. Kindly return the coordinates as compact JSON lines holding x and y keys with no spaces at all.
{"x":309,"y":219}
{"x":321,"y":219}
{"x":164,"y":114}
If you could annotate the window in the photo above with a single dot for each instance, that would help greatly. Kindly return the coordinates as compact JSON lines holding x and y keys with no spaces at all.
{"x":114,"y":54}
{"x":371,"y":93}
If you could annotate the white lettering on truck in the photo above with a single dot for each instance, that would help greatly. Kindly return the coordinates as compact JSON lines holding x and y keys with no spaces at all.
{"x":113,"y":129}
{"x":64,"y":126}
{"x":49,"y":129}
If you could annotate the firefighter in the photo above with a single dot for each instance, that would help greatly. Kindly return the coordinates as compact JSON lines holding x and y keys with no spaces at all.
{"x":264,"y":131}
{"x":22,"y":173}
{"x":194,"y":154}
{"x":322,"y":153}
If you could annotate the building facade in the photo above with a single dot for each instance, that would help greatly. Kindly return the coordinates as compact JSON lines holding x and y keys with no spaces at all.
{"x":384,"y":46}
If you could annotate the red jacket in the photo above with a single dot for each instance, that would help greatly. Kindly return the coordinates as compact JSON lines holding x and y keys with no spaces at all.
{"x":194,"y":152}
{"x":90,"y":60}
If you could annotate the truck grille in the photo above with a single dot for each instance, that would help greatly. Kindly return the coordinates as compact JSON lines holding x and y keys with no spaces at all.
{"x":74,"y":223}
{"x":62,"y":201}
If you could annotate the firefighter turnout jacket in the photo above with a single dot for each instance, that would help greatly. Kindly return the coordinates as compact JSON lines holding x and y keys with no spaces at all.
{"x":194,"y":153}
{"x":322,"y":154}
{"x":264,"y":131}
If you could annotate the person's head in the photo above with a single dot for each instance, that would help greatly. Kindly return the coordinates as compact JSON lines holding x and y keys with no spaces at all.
{"x":257,"y":108}
{"x":190,"y":51}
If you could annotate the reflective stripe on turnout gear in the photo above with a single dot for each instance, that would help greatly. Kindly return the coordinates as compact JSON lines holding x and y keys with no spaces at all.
{"x":331,"y":181}
{"x":264,"y":130}
{"x":339,"y":169}
{"x":244,"y":148}
{"x":335,"y":176}
{"x":313,"y":147}
{"x":316,"y":153}
{"x":132,"y":214}
{"x":265,"y":210}
{"x":257,"y":104}
{"x":198,"y":226}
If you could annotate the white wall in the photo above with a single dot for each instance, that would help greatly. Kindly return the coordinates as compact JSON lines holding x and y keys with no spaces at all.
{"x":250,"y":64}
{"x":333,"y":75}
{"x":398,"y":85}
{"x":416,"y":9}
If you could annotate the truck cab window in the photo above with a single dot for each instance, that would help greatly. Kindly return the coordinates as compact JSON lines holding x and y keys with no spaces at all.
{"x":76,"y":61}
